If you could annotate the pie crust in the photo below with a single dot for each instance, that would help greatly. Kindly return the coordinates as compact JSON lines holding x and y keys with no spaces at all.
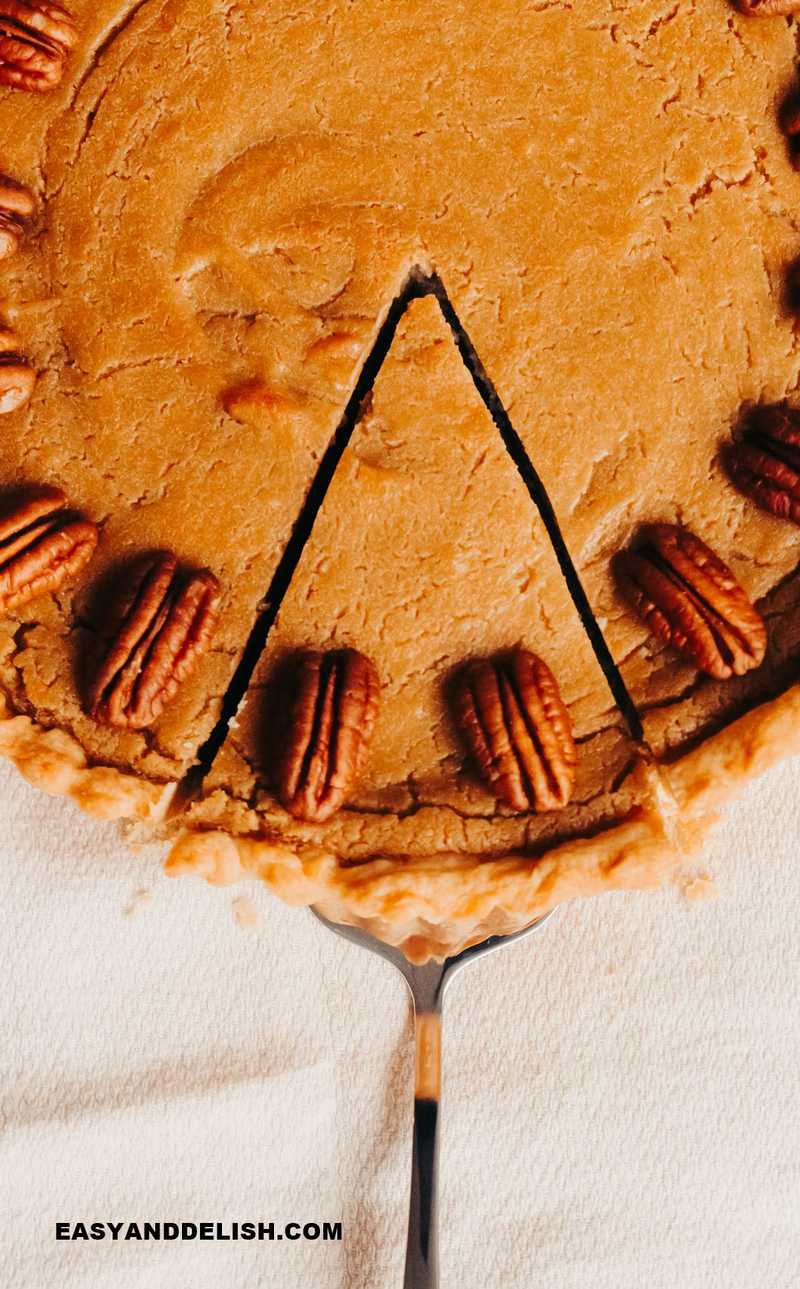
{"x":229,"y":204}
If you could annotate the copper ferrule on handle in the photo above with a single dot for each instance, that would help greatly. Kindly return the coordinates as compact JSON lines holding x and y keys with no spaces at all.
{"x":428,"y":1027}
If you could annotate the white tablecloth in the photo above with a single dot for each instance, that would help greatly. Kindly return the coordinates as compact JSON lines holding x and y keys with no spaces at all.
{"x":621,"y":1092}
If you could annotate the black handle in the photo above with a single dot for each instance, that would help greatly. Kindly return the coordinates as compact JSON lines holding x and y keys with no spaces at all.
{"x":422,"y":1263}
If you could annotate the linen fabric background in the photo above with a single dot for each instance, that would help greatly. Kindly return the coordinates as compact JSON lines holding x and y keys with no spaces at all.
{"x":621,"y":1099}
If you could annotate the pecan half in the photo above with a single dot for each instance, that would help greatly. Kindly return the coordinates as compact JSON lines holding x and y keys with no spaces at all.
{"x":691,"y":600}
{"x":35,"y":40}
{"x":16,"y":208}
{"x":767,"y":8}
{"x":17,"y":377}
{"x":331,"y":719}
{"x":515,"y":724}
{"x":169,"y":621}
{"x":42,"y":545}
{"x":765,"y":463}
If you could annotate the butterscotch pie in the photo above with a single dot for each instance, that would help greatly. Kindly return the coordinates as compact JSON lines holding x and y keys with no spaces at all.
{"x":400,"y":459}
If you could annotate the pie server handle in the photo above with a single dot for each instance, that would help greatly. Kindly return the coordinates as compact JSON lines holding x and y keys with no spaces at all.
{"x":422,"y":1261}
{"x":427,"y":985}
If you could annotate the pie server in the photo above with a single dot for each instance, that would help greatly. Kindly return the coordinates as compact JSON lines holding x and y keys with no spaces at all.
{"x":427,"y":987}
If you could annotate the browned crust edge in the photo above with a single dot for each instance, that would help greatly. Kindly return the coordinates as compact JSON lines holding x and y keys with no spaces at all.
{"x":438,"y":904}
{"x":53,"y":761}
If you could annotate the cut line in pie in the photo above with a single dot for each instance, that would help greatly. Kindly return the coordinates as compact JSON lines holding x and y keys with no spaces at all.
{"x":417,"y":285}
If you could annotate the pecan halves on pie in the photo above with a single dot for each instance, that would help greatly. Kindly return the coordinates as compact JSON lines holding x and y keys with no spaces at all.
{"x":169,"y":622}
{"x":42,"y":545}
{"x":16,"y":208}
{"x":518,"y":730}
{"x":331,"y":720}
{"x":765,"y":463}
{"x":691,"y":600}
{"x":35,"y":40}
{"x":17,"y":377}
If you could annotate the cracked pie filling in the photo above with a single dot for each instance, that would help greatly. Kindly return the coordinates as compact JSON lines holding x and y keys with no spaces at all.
{"x":400,"y":443}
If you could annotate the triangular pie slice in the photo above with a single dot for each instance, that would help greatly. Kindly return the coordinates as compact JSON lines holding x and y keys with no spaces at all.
{"x":408,"y":563}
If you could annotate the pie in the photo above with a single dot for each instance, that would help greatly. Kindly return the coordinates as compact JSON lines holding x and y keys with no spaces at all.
{"x":229,"y":230}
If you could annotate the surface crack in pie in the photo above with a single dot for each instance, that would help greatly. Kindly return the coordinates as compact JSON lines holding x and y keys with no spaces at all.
{"x":225,"y":202}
